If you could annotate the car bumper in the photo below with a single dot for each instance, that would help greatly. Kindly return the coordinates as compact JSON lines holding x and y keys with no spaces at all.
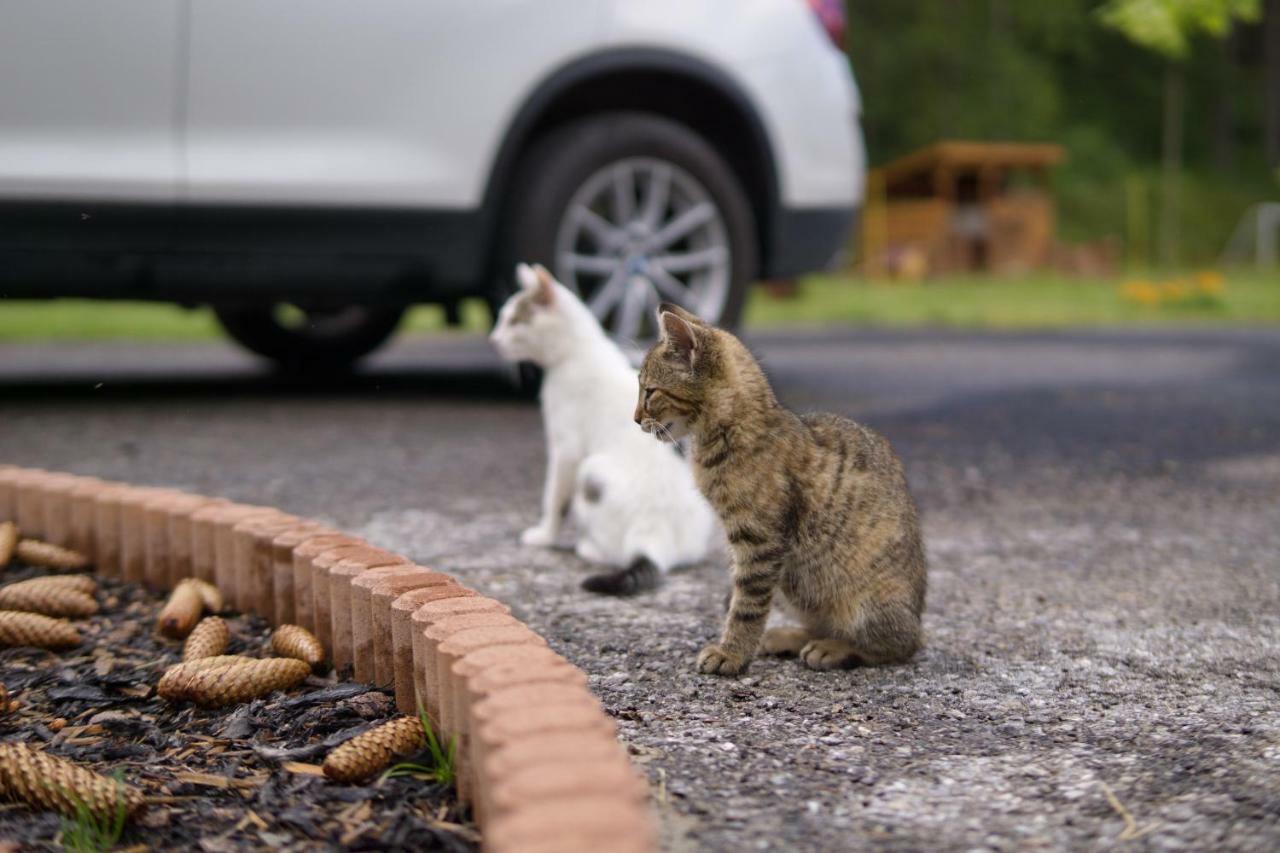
{"x":805,"y":240}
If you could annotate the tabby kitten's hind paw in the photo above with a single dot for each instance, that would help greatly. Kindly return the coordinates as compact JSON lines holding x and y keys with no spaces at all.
{"x":714,"y":660}
{"x":828,"y":654}
{"x":641,"y":576}
{"x":784,"y":641}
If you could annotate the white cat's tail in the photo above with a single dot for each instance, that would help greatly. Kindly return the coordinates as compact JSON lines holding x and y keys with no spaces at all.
{"x":640,"y":576}
{"x":616,"y":532}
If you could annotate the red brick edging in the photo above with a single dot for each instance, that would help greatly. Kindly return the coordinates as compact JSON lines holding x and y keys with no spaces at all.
{"x":538,"y":758}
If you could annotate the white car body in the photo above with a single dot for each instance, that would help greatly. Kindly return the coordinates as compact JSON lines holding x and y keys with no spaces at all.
{"x":383,"y":105}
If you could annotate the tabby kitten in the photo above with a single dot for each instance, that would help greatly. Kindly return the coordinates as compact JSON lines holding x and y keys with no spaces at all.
{"x":816,"y":507}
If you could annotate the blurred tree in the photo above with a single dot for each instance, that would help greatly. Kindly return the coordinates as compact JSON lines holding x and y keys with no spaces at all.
{"x":1224,"y":106}
{"x":954,"y":70}
{"x":1271,"y":52}
{"x":1013,"y":69}
{"x":1167,"y":27}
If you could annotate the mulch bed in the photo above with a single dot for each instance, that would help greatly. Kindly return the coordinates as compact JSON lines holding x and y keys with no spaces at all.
{"x":236,"y":778}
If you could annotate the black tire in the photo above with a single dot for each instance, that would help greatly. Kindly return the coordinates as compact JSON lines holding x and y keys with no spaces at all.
{"x":319,"y":340}
{"x":560,"y":162}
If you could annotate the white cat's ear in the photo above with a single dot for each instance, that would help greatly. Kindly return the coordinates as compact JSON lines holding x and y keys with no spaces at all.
{"x":680,"y":335}
{"x":526,"y":277}
{"x":546,"y":285}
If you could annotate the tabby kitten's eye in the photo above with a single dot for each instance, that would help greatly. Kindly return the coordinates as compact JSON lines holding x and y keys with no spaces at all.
{"x":648,"y":392}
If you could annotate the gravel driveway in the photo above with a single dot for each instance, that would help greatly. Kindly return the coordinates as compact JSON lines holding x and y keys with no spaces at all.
{"x":1102,"y":512}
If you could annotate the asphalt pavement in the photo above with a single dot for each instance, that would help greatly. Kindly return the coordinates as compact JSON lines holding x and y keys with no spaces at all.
{"x":1101,"y":511}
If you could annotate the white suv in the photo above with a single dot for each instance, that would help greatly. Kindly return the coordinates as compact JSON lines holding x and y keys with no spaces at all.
{"x":349,"y":159}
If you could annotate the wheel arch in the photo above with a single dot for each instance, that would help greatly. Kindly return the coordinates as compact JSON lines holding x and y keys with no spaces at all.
{"x":661,"y":82}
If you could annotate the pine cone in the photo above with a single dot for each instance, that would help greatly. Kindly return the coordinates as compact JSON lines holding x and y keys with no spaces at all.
{"x":51,"y":599}
{"x":32,"y":629}
{"x":207,"y":640}
{"x":209,"y":594}
{"x":78,"y":583}
{"x":294,"y":641}
{"x":173,"y":684}
{"x":366,"y":754}
{"x":33,"y":552}
{"x":227,"y":685}
{"x":8,"y":541}
{"x":46,"y":780}
{"x":181,"y":612}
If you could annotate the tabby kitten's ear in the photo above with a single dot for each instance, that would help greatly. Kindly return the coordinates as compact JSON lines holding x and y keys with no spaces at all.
{"x":688,"y":316}
{"x":679,"y":334}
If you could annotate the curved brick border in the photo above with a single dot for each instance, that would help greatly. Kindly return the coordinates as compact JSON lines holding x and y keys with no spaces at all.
{"x":538,"y":758}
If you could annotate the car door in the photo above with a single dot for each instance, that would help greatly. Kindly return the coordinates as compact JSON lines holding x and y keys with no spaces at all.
{"x":361,"y":133}
{"x":89,"y":116}
{"x":89,"y":101}
{"x":384,"y":103}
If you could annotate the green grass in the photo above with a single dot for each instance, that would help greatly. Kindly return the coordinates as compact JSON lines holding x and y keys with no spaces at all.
{"x":87,"y":832}
{"x":88,"y":320}
{"x":1039,"y":301}
{"x":443,"y":767}
{"x":79,"y":319}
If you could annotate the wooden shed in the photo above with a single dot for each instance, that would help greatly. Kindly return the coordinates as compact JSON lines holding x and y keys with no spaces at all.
{"x":961,"y":207}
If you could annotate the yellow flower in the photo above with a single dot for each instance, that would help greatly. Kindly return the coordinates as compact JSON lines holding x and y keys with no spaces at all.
{"x":1142,"y":292}
{"x":1210,"y":281}
{"x":1176,"y":290}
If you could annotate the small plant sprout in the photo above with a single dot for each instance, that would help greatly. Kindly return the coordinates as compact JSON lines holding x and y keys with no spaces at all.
{"x":88,"y":832}
{"x":442,"y":759}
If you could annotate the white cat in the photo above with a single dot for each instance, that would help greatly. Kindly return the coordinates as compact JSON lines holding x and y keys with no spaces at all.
{"x":633,"y":498}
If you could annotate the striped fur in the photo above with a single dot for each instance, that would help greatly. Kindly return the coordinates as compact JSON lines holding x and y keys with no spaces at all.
{"x":816,"y":507}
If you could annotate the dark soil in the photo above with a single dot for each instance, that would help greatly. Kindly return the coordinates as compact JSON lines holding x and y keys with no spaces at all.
{"x":235,"y":778}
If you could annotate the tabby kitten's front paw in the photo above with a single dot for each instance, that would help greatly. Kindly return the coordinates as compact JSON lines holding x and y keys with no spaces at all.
{"x":716,"y":661}
{"x":539,"y":537}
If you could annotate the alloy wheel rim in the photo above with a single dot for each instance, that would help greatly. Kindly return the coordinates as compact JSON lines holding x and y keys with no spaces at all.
{"x":639,"y":232}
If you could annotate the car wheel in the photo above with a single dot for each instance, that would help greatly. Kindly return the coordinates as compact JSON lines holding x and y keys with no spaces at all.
{"x":301,"y":338}
{"x":630,"y":210}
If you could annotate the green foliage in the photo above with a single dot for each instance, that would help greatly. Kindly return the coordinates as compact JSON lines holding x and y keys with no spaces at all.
{"x":934,"y":70}
{"x":443,"y":767}
{"x":1168,"y":26}
{"x":1011,"y":69}
{"x":1050,"y":71}
{"x":88,"y":833}
{"x":1094,"y":206}
{"x":1041,"y":301}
